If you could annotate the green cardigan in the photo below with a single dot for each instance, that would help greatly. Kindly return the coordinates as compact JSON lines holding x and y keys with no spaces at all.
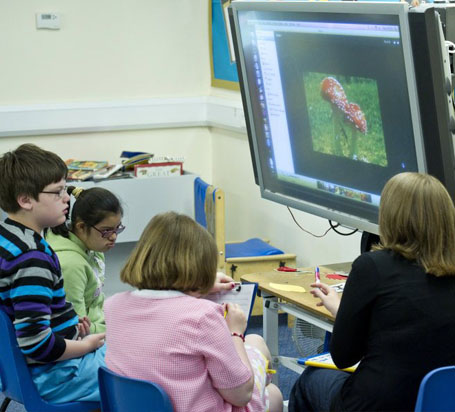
{"x":83,"y":277}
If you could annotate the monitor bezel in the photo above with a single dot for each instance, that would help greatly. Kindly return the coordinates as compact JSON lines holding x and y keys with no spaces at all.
{"x":398,"y":9}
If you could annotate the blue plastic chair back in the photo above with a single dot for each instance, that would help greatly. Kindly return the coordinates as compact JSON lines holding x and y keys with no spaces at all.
{"x":120,"y":394}
{"x":249,"y":248}
{"x":200,"y":189}
{"x":17,"y":383}
{"x":437,"y":391}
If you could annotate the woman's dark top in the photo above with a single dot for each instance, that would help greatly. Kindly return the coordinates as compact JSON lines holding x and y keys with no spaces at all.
{"x":400,"y":322}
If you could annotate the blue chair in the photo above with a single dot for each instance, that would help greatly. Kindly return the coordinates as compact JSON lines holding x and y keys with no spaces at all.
{"x":122,"y":394}
{"x":17,"y":383}
{"x":238,"y":258}
{"x":437,"y":391}
{"x":209,"y":213}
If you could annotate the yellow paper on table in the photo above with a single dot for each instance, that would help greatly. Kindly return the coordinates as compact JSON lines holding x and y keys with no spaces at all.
{"x":287,"y":288}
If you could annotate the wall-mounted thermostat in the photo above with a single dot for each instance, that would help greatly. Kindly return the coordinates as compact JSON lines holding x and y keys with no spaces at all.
{"x":48,"y":21}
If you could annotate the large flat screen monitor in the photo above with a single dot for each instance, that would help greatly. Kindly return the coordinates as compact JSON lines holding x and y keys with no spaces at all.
{"x":330,"y":97}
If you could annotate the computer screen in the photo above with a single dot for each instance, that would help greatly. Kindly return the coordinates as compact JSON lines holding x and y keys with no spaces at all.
{"x":331,"y":103}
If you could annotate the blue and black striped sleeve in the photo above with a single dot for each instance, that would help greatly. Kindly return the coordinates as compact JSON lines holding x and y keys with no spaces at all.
{"x":43,"y":318}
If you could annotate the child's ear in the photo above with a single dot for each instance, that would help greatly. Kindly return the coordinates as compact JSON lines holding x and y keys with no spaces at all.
{"x":80,"y":226}
{"x":25,"y":202}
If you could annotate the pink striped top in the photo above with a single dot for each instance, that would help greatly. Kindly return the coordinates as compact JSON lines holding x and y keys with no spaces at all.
{"x":177,"y":341}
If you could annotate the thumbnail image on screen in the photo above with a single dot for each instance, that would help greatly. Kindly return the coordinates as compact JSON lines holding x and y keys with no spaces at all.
{"x":345,"y":117}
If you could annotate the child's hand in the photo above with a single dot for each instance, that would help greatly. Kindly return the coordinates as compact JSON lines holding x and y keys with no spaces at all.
{"x":235,"y":318}
{"x":84,"y":326}
{"x":222,"y":283}
{"x":94,"y":341}
{"x":329,"y":298}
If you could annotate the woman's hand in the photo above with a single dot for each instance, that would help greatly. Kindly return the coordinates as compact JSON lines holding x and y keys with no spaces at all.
{"x":235,"y":318}
{"x":222,"y":283}
{"x":329,"y":298}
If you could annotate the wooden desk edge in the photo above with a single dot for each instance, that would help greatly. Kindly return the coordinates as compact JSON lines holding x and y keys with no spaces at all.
{"x":304,"y":279}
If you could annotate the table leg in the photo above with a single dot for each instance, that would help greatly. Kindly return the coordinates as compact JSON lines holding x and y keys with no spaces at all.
{"x":270,"y":326}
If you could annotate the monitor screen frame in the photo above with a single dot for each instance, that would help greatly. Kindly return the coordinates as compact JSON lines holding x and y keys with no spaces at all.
{"x":357,"y":8}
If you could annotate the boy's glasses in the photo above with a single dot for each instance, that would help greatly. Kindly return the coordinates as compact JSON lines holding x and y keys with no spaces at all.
{"x":109,"y":232}
{"x":60,"y":193}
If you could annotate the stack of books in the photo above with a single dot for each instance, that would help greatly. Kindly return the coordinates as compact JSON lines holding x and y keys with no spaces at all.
{"x":90,"y":169}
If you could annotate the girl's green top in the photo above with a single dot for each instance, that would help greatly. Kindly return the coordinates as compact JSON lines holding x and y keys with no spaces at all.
{"x":83,"y":274}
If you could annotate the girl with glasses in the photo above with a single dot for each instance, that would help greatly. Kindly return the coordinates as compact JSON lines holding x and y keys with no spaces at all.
{"x":92,"y":227}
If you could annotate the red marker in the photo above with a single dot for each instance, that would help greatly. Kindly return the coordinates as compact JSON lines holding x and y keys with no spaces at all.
{"x":286,"y":269}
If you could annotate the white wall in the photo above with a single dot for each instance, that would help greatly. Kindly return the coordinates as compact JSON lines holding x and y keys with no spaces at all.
{"x":128,"y":50}
{"x":105,"y":50}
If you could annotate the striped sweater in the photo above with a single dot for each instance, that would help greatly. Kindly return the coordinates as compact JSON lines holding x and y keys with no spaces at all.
{"x":31,"y":292}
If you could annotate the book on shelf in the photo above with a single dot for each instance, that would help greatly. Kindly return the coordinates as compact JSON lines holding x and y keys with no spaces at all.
{"x":88,"y":165}
{"x":135,"y":158}
{"x":167,"y":159}
{"x":160,"y":166}
{"x":74,"y":175}
{"x":85,"y":169}
{"x":167,"y":169}
{"x":106,"y":172}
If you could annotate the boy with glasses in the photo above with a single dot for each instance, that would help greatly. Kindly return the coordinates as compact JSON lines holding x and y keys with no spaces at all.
{"x":62,"y":355}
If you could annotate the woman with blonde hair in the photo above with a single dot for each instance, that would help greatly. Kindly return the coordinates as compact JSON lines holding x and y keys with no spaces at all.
{"x":163,"y":332}
{"x":396,"y":315}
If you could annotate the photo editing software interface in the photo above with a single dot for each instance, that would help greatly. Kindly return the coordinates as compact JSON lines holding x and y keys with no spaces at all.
{"x":330,"y":105}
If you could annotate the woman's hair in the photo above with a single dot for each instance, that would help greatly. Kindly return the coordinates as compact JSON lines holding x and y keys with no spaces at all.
{"x":417,"y":220}
{"x":173,"y":253}
{"x":91,"y":207}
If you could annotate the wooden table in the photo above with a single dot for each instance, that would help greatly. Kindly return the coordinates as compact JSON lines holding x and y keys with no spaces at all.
{"x":302,"y":305}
